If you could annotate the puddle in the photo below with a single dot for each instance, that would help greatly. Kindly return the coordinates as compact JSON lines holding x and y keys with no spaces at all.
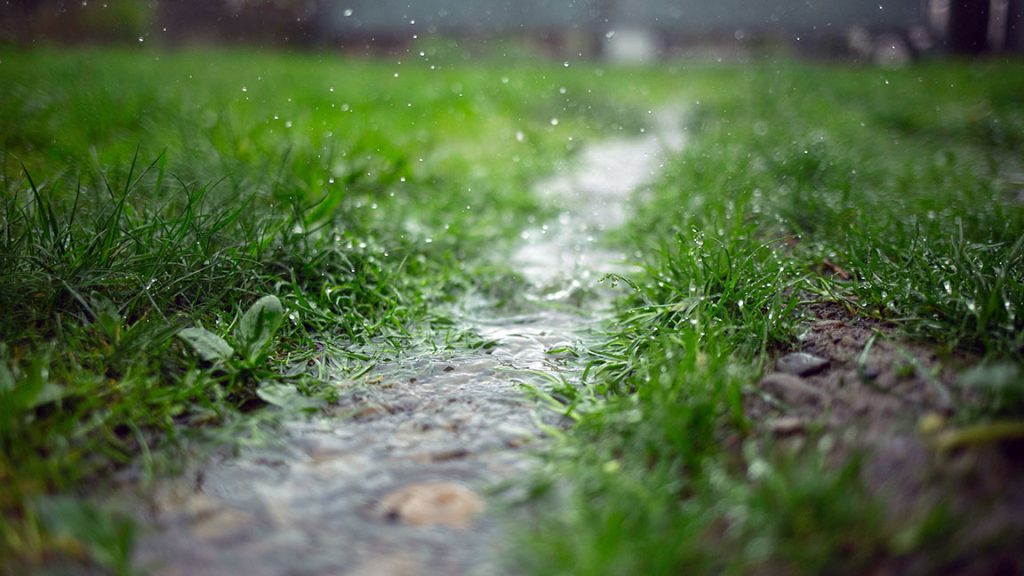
{"x":392,"y":482}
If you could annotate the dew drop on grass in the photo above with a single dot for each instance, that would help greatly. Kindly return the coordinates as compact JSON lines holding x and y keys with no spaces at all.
{"x":554,"y":121}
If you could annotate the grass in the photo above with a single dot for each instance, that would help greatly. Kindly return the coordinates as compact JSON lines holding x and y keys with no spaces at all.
{"x":890,"y":193}
{"x":191,"y":237}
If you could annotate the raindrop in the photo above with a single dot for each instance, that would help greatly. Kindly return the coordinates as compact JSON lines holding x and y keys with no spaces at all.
{"x":609,"y":34}
{"x":347,"y":12}
{"x":520,"y":136}
{"x":554,"y":121}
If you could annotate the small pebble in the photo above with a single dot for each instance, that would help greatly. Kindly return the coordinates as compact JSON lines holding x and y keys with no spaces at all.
{"x":801,"y":364}
{"x":791,"y":389}
{"x":439,"y":503}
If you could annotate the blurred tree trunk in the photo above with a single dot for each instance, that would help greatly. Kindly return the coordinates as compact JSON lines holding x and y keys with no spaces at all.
{"x":27,"y":11}
{"x":1015,"y":26}
{"x":968,"y":26}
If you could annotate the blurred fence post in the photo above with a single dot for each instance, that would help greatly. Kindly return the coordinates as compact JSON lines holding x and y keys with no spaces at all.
{"x":968,"y":26}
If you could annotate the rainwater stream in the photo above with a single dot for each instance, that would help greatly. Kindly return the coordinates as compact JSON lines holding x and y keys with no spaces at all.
{"x":398,"y":487}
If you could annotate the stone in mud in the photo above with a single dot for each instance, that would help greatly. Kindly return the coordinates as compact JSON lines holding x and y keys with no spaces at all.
{"x":786,"y":426}
{"x":220,"y":523}
{"x":430,"y":504}
{"x":801,"y":364}
{"x":387,"y":566}
{"x":791,"y":389}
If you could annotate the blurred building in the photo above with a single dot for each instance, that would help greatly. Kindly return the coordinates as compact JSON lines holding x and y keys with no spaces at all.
{"x":882,"y":30}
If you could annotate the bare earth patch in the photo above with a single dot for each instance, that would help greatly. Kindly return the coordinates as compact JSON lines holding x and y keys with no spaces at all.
{"x":891,"y":403}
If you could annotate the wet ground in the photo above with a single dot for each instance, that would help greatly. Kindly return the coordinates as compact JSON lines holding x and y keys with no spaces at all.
{"x":398,"y":480}
{"x":893,"y":404}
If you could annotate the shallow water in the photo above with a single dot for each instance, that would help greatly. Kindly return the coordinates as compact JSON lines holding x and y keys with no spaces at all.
{"x":331,"y":496}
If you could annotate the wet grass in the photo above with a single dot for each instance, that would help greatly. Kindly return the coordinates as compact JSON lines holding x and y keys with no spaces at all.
{"x":151,"y":199}
{"x":893,"y":195}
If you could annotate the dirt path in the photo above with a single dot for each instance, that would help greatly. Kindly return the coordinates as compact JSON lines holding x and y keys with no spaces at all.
{"x":397,"y":486}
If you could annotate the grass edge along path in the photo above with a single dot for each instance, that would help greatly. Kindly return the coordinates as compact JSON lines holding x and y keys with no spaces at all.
{"x":880,"y":195}
{"x":187,"y":242}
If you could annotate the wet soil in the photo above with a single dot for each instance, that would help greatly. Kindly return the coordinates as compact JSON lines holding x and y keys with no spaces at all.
{"x":399,"y":478}
{"x":889,"y":401}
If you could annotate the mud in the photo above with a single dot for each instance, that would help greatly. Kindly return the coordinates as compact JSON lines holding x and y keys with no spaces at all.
{"x":886,"y":401}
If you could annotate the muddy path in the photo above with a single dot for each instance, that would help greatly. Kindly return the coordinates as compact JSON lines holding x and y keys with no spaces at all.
{"x":398,"y":479}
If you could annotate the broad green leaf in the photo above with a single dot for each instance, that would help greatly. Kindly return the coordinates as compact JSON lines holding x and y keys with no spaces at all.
{"x":208,"y":345}
{"x":30,"y":387}
{"x":326,"y":208}
{"x":6,"y":377}
{"x":257,"y":327}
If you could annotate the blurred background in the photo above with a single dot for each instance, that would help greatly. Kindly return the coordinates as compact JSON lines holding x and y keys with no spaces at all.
{"x":882,"y":31}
